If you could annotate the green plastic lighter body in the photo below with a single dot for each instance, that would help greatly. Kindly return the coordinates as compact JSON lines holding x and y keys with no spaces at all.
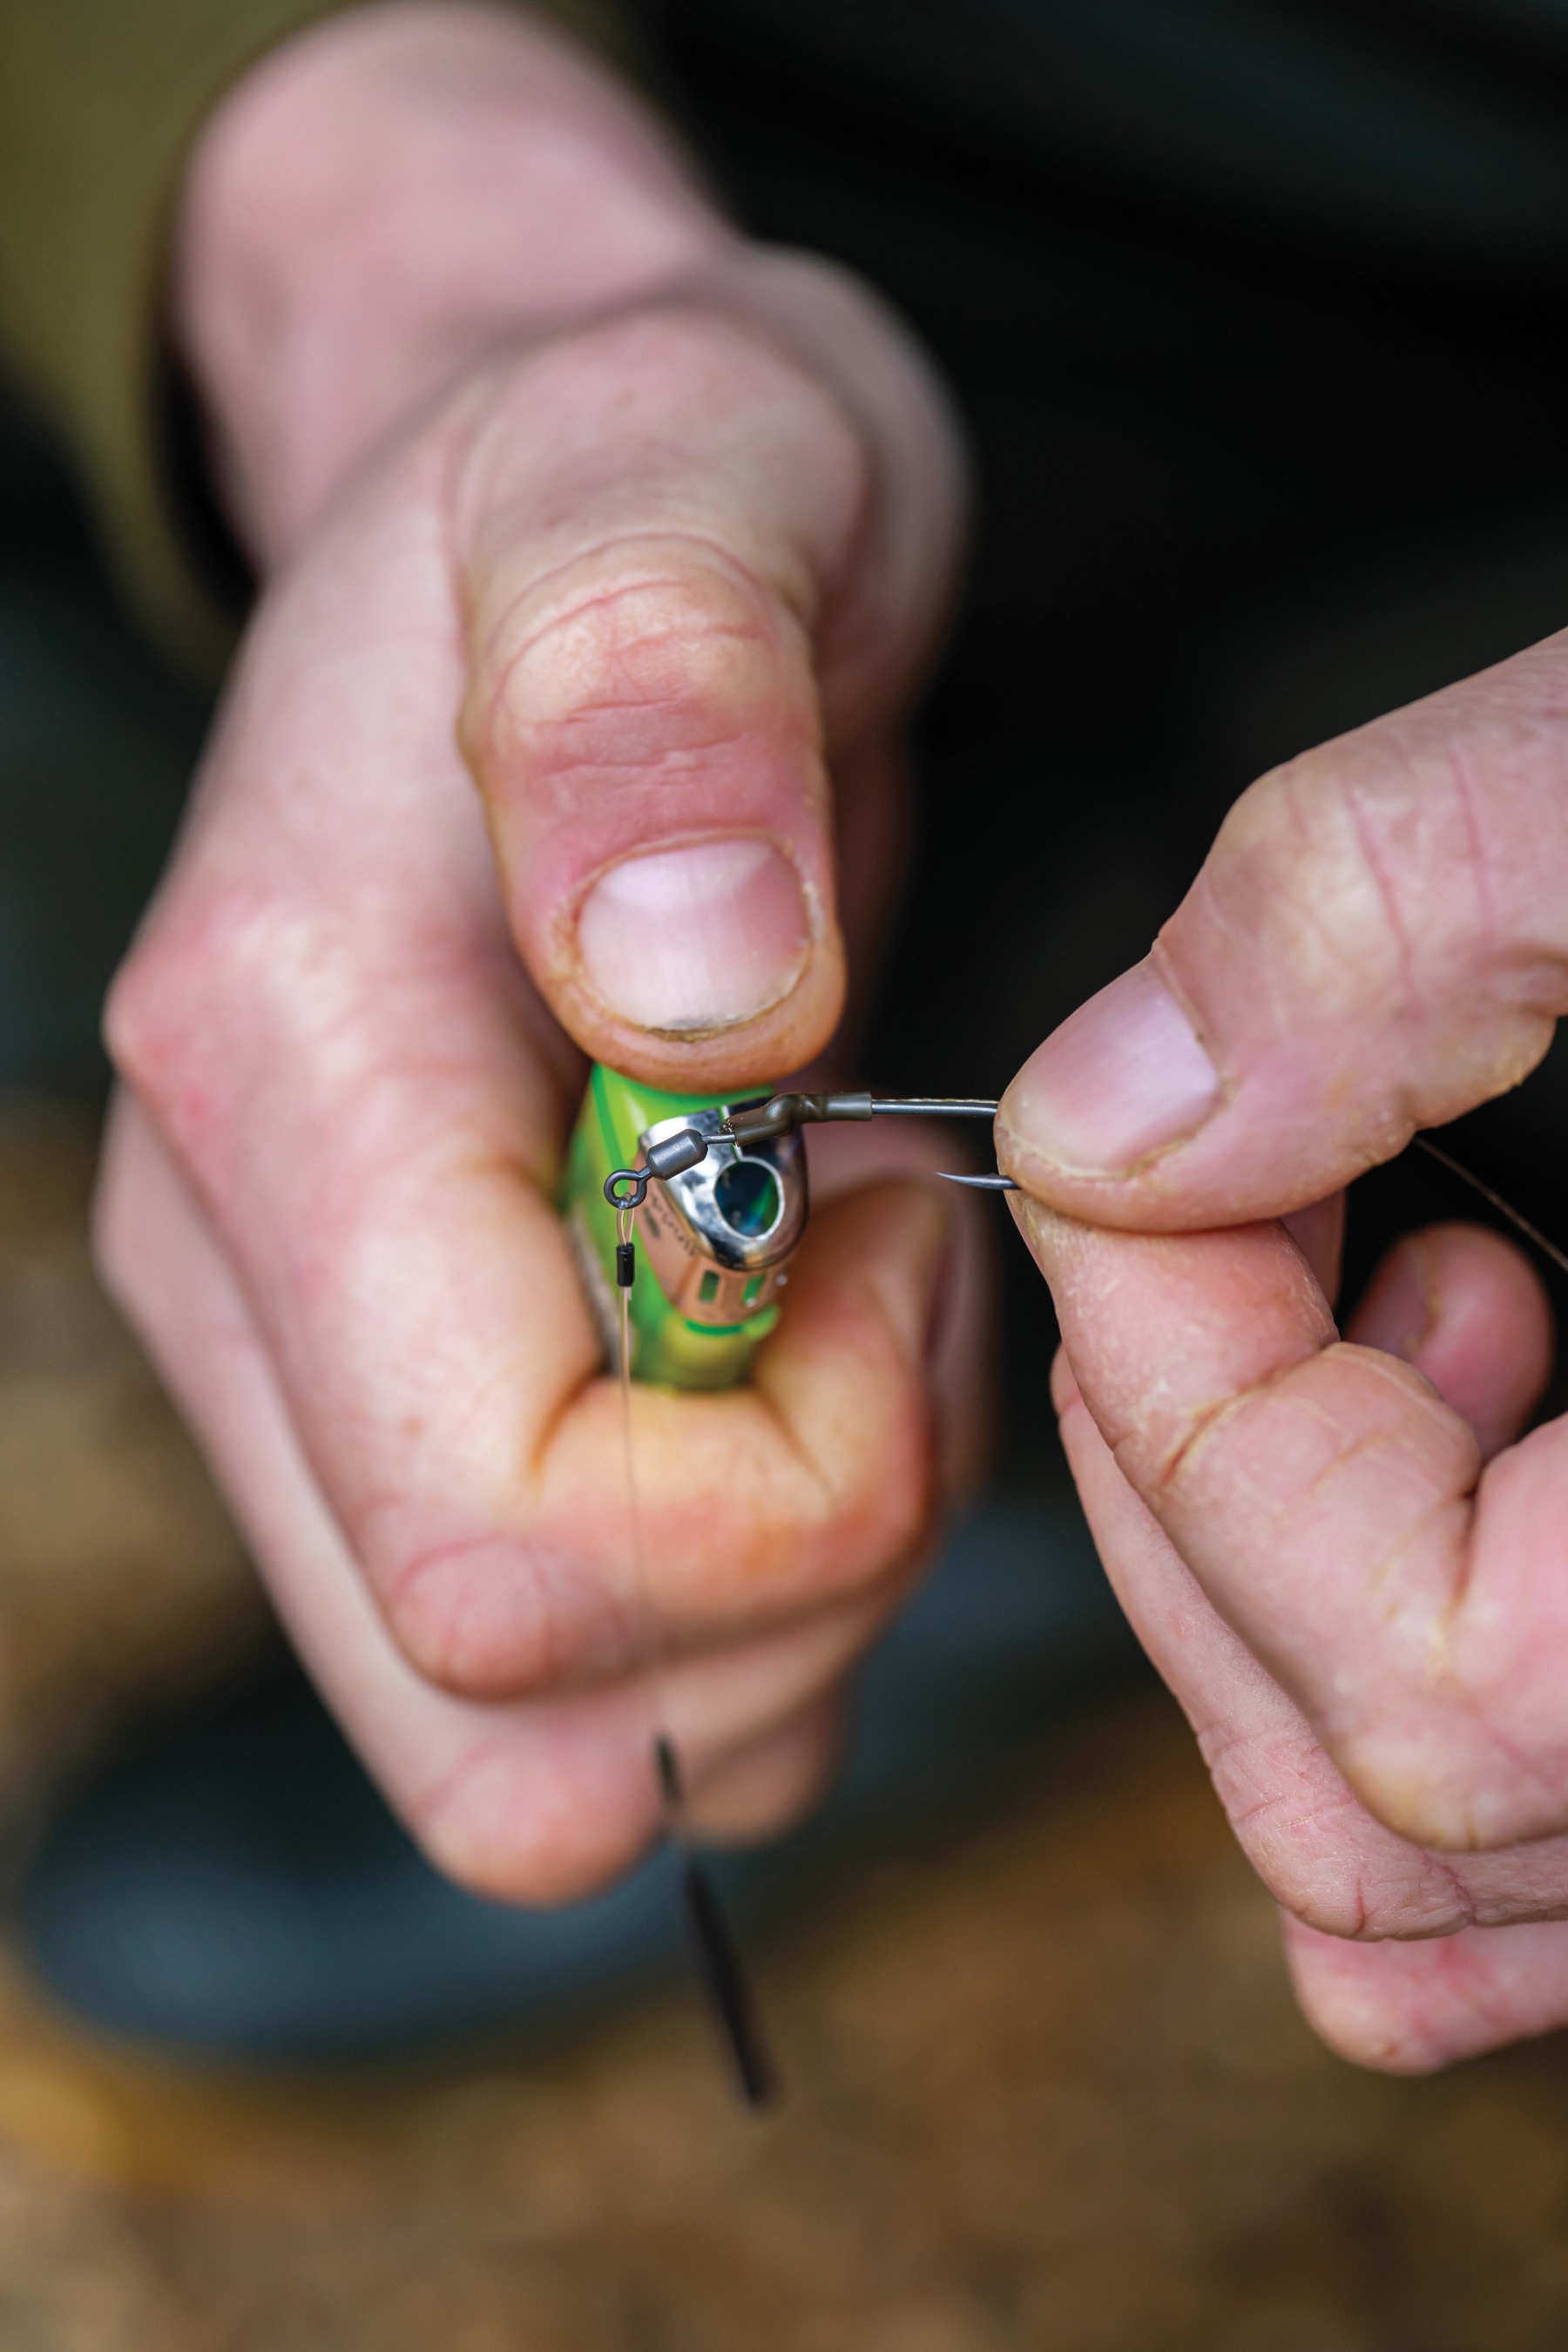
{"x":713,"y":1245}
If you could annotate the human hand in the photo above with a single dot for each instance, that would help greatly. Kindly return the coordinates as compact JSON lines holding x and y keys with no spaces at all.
{"x":560,"y":491}
{"x":1351,"y":1576}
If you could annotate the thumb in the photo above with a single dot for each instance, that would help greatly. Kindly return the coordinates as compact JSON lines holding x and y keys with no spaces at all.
{"x":662,"y":529}
{"x":1377,"y":941}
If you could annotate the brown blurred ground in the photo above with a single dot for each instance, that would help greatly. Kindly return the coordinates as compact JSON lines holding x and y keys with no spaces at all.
{"x":1047,"y":2086}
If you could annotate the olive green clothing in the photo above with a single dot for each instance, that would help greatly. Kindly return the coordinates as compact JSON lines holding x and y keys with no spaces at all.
{"x":99,"y":103}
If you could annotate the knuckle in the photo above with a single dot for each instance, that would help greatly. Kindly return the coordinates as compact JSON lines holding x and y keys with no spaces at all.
{"x":637,"y":663}
{"x":1326,"y":1864}
{"x":1299,"y":877}
{"x":207,"y":972}
{"x":493,"y":1617}
{"x":621,"y":409}
{"x":139,"y":1032}
{"x":1370,"y":871}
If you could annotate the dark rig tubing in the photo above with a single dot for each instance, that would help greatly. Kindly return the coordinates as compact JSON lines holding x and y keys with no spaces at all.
{"x":787,"y":1111}
{"x":784,"y":1111}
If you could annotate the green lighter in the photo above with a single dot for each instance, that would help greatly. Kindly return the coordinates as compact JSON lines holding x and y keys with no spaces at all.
{"x":714,"y":1239}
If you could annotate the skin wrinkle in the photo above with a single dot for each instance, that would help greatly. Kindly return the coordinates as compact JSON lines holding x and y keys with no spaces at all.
{"x":1367,"y":1449}
{"x":828,"y":1498}
{"x":658,"y":774}
{"x":602,"y":599}
{"x":1386,"y":1566}
{"x":484,"y":726}
{"x":1382,"y":1571}
{"x":1318,"y":1817}
{"x":1231,"y":935}
{"x":1480,"y":866}
{"x":1289,"y":785}
{"x":719,"y":557}
{"x":572,"y":781}
{"x":1242,"y":937}
{"x":629,"y":705}
{"x":572,"y":1647}
{"x":1170,"y":977}
{"x":1467,"y":1571}
{"x":1210,"y":1418}
{"x":1465,"y":1907}
{"x":836,"y":1496}
{"x":499,"y":1386}
{"x":1463,"y":1896}
{"x":1531,"y":1773}
{"x":1513,"y":1914}
{"x":1309,"y":1410}
{"x":1388,"y":896}
{"x":1203,"y":1420}
{"x":1232,"y":1763}
{"x":568,"y":1402}
{"x":1463,"y":1904}
{"x":454,"y":437}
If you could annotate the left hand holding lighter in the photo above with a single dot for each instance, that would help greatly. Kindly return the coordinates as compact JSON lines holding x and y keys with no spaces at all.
{"x":660,"y":574}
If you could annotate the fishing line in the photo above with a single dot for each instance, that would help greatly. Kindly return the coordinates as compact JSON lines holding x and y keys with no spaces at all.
{"x":717,"y":1953}
{"x":1504,"y":1208}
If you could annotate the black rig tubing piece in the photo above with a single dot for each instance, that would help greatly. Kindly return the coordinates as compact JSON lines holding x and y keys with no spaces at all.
{"x":719,"y":1957}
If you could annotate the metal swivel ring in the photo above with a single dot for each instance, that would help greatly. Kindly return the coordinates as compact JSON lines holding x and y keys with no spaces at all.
{"x":673,"y":1157}
{"x":636,"y":1178}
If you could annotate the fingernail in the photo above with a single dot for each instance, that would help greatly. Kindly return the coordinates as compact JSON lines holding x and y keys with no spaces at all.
{"x":697,"y":937}
{"x":1122,"y":1076}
